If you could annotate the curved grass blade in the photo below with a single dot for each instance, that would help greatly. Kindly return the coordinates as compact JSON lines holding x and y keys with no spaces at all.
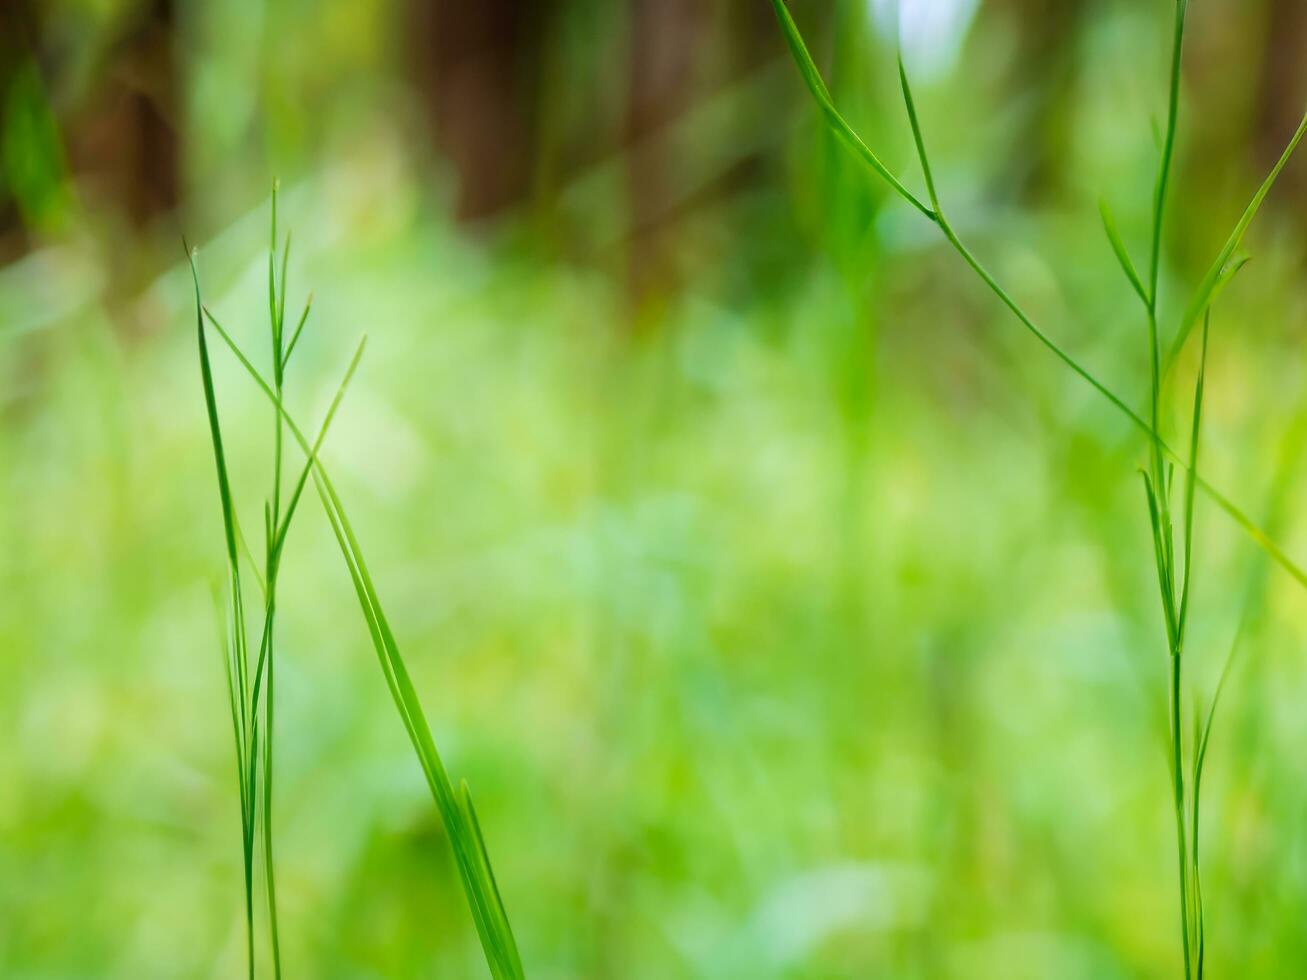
{"x":838,"y":125}
{"x":299,"y":329}
{"x":283,"y":529}
{"x":812,"y":77}
{"x":1194,"y":432}
{"x":918,"y":140}
{"x":489,"y":916}
{"x":242,"y":707}
{"x":502,"y":927}
{"x":1168,"y":154}
{"x":474,"y":869}
{"x":1207,"y":289}
{"x":1121,"y":253}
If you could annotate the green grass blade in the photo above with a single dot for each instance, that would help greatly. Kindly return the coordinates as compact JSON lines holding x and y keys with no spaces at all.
{"x":299,"y":329}
{"x":498,"y":941}
{"x":1233,"y":269}
{"x":280,"y":321}
{"x":1194,"y":433}
{"x":836,"y":122}
{"x":238,"y":736}
{"x":1200,"y":760}
{"x":812,"y":78}
{"x":1165,"y":582}
{"x":248,"y":555}
{"x":272,"y":263}
{"x":1197,"y":927}
{"x":1168,"y":153}
{"x":917,"y":138}
{"x":239,"y":668}
{"x":247,"y":847}
{"x":269,"y":864}
{"x":315,"y":448}
{"x":502,"y":927}
{"x":317,"y":443}
{"x":1121,"y":253}
{"x":265,"y":641}
{"x":215,"y":428}
{"x":1177,"y":768}
{"x":500,"y":948}
{"x":1206,"y":292}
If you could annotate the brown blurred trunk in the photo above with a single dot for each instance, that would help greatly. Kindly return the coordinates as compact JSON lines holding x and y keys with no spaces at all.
{"x":478,"y":65}
{"x":125,"y":144}
{"x":122,"y":143}
{"x":15,"y":26}
{"x":1284,"y":86}
{"x":481,"y":72}
{"x":480,"y":68}
{"x":664,"y":43}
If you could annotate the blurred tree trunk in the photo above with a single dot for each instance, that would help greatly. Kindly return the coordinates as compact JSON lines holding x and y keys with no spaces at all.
{"x":665,"y":37}
{"x":114,"y":141}
{"x":478,"y":66}
{"x":124,"y":142}
{"x":1284,"y":86}
{"x":17,"y":29}
{"x":485,"y":72}
{"x":682,"y":52}
{"x":121,"y":140}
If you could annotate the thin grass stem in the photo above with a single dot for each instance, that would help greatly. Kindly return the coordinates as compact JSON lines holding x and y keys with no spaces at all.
{"x":836,"y":122}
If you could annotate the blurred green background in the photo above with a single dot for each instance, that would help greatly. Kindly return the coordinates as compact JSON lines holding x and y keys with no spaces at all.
{"x":790,"y":612}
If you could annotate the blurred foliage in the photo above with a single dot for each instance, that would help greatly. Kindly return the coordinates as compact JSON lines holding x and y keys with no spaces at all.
{"x":790,"y":612}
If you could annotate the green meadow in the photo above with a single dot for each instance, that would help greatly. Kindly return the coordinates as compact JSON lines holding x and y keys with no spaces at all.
{"x":823,"y":477}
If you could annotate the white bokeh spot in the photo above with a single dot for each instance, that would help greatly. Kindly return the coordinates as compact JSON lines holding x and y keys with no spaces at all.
{"x":931,"y":30}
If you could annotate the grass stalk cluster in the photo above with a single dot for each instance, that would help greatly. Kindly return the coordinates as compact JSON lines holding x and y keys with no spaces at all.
{"x":251,"y":687}
{"x":1218,"y":276}
{"x":1174,"y":565}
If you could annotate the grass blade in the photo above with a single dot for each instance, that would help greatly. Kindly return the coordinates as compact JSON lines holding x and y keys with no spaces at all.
{"x":1207,"y":289}
{"x":1168,"y":153}
{"x":917,"y":138}
{"x":1122,"y":255}
{"x":238,"y":669}
{"x":836,"y":122}
{"x":488,"y":915}
{"x":482,"y":893}
{"x":808,"y":69}
{"x":1194,"y":432}
{"x":299,"y":329}
{"x":215,"y":428}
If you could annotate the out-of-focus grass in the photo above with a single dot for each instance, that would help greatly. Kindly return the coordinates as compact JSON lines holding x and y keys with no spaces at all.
{"x":713,"y":735}
{"x":804,"y":635}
